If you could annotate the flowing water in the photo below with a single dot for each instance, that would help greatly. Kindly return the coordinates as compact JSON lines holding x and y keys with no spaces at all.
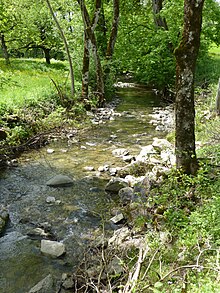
{"x":79,"y":210}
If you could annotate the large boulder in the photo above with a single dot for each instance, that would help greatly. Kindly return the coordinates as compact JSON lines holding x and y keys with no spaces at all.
{"x":115,"y":184}
{"x":52,"y":248}
{"x":60,"y":181}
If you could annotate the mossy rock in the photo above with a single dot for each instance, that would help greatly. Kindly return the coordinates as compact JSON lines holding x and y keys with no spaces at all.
{"x":4,"y":217}
{"x":136,"y":169}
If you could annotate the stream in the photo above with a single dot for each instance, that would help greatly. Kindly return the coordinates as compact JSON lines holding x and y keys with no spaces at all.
{"x":78,"y":211}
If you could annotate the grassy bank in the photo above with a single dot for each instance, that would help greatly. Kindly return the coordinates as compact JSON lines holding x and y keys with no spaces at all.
{"x":29,"y":101}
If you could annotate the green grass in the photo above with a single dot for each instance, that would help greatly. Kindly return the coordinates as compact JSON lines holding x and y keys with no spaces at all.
{"x":29,"y":101}
{"x":29,"y":79}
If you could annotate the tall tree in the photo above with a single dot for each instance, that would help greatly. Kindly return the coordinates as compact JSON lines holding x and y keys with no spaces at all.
{"x":4,"y":48}
{"x":186,"y":56}
{"x":114,"y":30}
{"x":8,"y":21}
{"x":90,"y":39}
{"x":65,"y":45}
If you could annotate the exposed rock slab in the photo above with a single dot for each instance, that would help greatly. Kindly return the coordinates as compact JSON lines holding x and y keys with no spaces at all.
{"x":60,"y":181}
{"x":44,"y":286}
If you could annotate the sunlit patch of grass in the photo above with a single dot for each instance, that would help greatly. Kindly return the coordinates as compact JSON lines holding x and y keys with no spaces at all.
{"x":29,"y":79}
{"x":215,"y":50}
{"x":35,"y":97}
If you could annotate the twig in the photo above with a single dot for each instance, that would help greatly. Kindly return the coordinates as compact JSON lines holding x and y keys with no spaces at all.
{"x":150,"y":263}
{"x":132,"y":280}
{"x":182,"y":268}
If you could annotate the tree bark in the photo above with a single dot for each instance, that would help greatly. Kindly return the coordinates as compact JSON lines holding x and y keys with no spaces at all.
{"x":114,"y":30}
{"x":158,"y":20}
{"x":66,"y":47}
{"x":89,"y":28}
{"x":186,"y":56}
{"x":85,"y":68}
{"x":46,"y":54}
{"x":4,"y":49}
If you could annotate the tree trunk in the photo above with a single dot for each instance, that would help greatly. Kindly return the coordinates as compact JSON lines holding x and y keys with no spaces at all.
{"x":46,"y":54}
{"x":66,"y":47}
{"x":114,"y":30}
{"x":102,"y":33}
{"x":89,"y":31}
{"x":4,"y":49}
{"x":158,"y":20}
{"x":85,"y":69}
{"x":186,"y":56}
{"x":218,"y":99}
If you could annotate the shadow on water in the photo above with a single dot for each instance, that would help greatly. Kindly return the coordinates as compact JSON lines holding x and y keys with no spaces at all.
{"x":79,"y":210}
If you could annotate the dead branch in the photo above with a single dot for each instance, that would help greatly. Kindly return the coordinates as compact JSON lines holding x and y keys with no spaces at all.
{"x":132,"y":280}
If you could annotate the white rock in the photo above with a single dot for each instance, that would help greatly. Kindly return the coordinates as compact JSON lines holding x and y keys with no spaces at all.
{"x":120,"y":152}
{"x":52,"y":248}
{"x":113,"y":171}
{"x":50,"y":199}
{"x":127,"y":158}
{"x":101,"y":169}
{"x":161,"y":143}
{"x":89,"y":168}
{"x":50,"y":151}
{"x":145,"y":152}
{"x":117,"y":218}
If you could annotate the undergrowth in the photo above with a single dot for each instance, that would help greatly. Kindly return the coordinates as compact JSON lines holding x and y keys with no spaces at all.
{"x":182,"y":252}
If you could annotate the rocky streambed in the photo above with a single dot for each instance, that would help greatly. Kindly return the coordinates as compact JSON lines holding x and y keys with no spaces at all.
{"x":56,"y":201}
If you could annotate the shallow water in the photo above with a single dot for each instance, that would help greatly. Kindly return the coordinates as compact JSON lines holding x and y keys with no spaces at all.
{"x":79,"y":210}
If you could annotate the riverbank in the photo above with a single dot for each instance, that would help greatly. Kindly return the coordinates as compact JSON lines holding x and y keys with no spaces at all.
{"x":166,"y":224}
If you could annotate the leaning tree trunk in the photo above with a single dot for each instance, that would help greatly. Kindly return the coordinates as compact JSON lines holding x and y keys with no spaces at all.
{"x":186,"y":56}
{"x":4,"y":49}
{"x":65,"y":45}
